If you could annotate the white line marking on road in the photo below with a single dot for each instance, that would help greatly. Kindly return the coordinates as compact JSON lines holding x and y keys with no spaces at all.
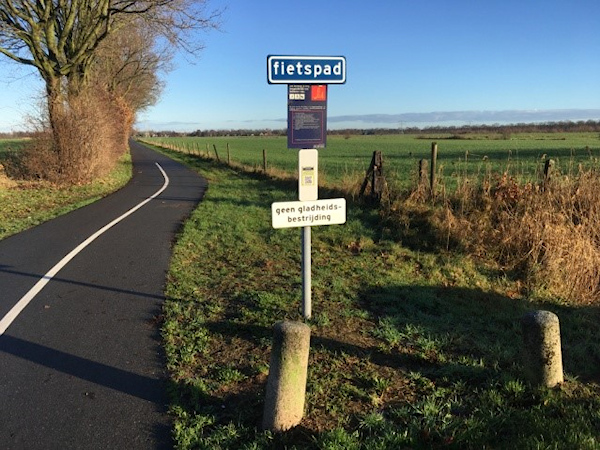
{"x":10,"y":317}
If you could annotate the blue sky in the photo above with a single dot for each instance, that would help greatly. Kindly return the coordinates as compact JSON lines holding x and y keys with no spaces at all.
{"x":492,"y":61}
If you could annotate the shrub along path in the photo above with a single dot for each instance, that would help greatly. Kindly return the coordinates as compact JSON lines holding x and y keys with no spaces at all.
{"x":81,"y":365}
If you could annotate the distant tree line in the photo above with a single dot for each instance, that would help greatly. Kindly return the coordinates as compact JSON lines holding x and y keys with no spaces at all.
{"x":545,"y":127}
{"x":16,"y":135}
{"x":455,"y":131}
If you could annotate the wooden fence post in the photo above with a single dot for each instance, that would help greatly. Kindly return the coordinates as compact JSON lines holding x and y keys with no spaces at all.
{"x":377,"y":183}
{"x":423,"y":166}
{"x":547,"y":171}
{"x":216,"y":153}
{"x":434,"y":153}
{"x":264,"y":160}
{"x":228,"y":155}
{"x":375,"y":176}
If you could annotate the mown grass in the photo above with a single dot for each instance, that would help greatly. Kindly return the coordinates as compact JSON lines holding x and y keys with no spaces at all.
{"x":25,"y":204}
{"x":347,"y":158}
{"x":412,"y":347}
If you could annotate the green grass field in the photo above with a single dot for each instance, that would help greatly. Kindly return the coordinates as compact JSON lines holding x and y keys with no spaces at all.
{"x":410,"y":347}
{"x":10,"y":146}
{"x":348,"y":158}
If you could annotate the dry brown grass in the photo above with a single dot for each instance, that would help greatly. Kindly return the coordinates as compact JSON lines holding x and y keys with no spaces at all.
{"x":547,"y":236}
{"x":5,"y":181}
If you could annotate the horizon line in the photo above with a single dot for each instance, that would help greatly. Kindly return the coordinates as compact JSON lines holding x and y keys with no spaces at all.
{"x":401,"y":120}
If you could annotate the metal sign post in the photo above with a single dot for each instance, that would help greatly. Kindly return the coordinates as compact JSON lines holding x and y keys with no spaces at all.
{"x":307,"y":214}
{"x":308,"y":189}
{"x":307,"y":78}
{"x":306,"y":273}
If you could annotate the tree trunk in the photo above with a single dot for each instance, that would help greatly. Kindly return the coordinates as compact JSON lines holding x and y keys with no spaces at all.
{"x":55,"y":106}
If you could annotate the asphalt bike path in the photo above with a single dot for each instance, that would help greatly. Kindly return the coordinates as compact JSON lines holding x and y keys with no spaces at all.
{"x":80,"y":360}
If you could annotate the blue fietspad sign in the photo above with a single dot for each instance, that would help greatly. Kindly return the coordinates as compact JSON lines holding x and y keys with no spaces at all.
{"x":306,"y":69}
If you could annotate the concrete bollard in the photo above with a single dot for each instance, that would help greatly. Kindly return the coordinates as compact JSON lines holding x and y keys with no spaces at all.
{"x":543,"y":354}
{"x":286,"y":385}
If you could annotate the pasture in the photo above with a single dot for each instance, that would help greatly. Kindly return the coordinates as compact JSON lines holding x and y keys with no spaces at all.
{"x":347,"y":158}
{"x":412,"y":346}
{"x":10,"y":146}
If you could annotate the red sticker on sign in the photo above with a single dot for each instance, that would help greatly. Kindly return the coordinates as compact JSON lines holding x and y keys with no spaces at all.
{"x":318,"y":92}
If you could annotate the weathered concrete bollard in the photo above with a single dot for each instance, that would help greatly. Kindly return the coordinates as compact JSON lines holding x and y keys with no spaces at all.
{"x":543,"y":354}
{"x":286,"y":385}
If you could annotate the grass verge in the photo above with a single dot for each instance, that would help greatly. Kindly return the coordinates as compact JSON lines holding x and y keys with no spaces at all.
{"x":411,"y":347}
{"x":25,"y":204}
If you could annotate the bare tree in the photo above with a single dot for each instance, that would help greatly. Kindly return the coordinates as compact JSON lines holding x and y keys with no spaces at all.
{"x":62,"y":39}
{"x":127,"y":64}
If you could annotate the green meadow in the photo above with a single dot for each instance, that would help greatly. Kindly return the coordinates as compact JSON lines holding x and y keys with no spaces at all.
{"x":10,"y":146}
{"x":412,"y":346}
{"x":348,"y":157}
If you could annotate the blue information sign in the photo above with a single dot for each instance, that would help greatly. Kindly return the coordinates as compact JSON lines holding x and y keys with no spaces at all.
{"x":306,"y":69}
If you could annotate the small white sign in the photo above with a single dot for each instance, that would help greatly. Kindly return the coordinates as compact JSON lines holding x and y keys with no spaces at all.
{"x":308,"y":175}
{"x":309,"y":214}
